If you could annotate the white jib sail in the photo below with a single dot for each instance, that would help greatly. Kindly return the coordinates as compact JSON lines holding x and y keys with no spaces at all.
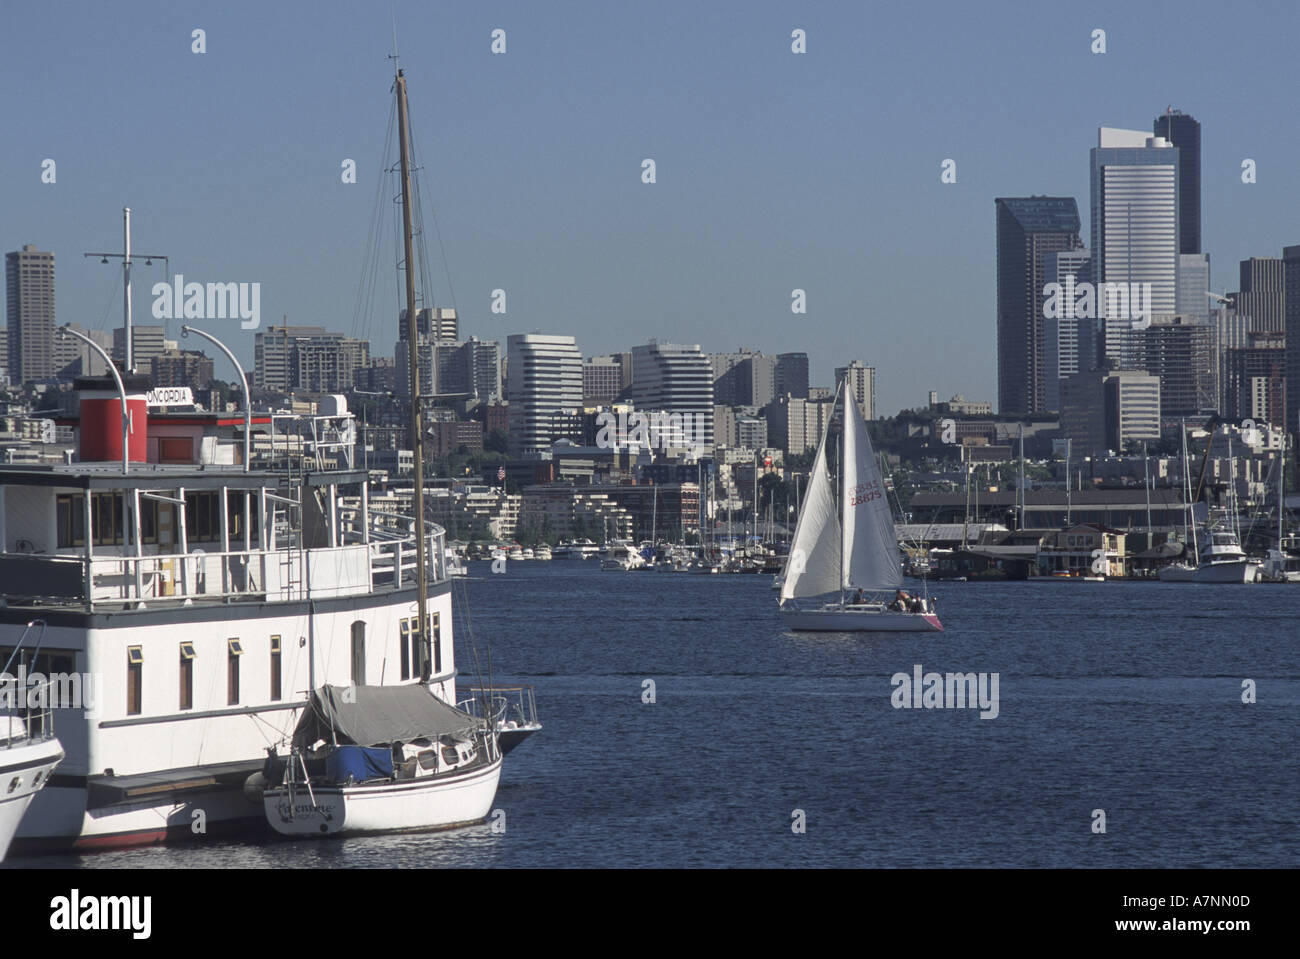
{"x":869,"y":542}
{"x":813,"y":566}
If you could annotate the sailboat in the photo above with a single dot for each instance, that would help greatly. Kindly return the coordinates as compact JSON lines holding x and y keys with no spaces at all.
{"x":849,"y":545}
{"x":368,"y":759}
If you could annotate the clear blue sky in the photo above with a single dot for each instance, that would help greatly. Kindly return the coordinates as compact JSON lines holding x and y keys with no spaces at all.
{"x":775,"y":171}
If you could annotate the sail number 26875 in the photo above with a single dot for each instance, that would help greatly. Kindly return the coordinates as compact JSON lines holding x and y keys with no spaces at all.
{"x":864,"y":494}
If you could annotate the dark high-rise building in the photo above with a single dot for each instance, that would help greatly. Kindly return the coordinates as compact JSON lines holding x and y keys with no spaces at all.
{"x":29,"y":277}
{"x":1291,"y":306}
{"x":1029,"y":228}
{"x":1185,"y":133}
{"x":791,"y":375}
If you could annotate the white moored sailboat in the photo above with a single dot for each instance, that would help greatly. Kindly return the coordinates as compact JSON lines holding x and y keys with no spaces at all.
{"x":371,"y":759}
{"x":368,"y":759}
{"x":859,"y":554}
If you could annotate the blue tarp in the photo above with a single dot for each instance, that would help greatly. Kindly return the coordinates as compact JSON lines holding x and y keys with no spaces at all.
{"x":359,"y":762}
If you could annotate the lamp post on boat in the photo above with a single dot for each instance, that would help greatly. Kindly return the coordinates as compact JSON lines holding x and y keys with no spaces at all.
{"x":121,"y":389}
{"x":243,"y":382}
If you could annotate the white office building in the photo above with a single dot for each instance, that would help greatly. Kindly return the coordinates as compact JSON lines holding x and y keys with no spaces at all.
{"x":676,"y":379}
{"x":544,"y":389}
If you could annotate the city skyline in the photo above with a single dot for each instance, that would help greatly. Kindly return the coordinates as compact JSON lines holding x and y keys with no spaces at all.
{"x":774,"y":172}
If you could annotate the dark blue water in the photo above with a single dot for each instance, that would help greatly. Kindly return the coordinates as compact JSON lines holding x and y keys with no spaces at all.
{"x":1125,"y":697}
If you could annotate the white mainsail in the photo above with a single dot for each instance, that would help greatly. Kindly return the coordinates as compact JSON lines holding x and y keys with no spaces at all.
{"x":813,"y":566}
{"x":870,"y":547}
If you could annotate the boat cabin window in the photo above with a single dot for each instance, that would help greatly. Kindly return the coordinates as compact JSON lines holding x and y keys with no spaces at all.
{"x":134,"y":680}
{"x":428,"y":759}
{"x":233,"y":652}
{"x":203,"y":515}
{"x":105,"y":519}
{"x":275,"y":668}
{"x":450,"y":756}
{"x":187,"y":676}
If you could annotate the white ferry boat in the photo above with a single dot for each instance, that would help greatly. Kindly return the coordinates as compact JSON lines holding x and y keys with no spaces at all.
{"x":204,"y":601}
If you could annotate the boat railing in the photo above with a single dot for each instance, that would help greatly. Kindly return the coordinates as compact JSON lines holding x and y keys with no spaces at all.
{"x":26,"y":712}
{"x":26,"y":707}
{"x":504,"y":705}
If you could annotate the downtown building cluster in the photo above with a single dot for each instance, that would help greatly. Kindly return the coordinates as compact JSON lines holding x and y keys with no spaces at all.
{"x":1122,"y":337}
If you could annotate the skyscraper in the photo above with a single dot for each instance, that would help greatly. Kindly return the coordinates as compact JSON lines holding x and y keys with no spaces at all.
{"x":675,"y":379}
{"x":1291,"y":305}
{"x":1134,"y":229}
{"x":1262,"y":296}
{"x":1028,"y":229}
{"x":29,"y":278}
{"x":543,"y":388}
{"x":1066,"y":351}
{"x":1193,"y":284}
{"x":1185,"y":133}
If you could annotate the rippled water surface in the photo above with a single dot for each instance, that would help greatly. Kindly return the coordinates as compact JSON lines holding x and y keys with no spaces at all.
{"x":1124,"y":697}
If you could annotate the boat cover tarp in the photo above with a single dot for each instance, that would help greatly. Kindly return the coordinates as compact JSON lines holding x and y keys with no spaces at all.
{"x":359,"y":763}
{"x":377,"y":715}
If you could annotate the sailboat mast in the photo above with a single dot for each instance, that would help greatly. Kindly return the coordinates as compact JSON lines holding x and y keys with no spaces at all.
{"x":839,"y":477}
{"x":413,"y":360}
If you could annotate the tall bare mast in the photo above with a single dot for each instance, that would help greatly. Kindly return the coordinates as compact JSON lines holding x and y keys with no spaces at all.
{"x":413,"y":360}
{"x":125,"y":257}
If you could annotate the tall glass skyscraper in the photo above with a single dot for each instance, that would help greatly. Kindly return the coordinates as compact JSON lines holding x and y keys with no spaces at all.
{"x":1029,"y":230}
{"x":1134,"y":227}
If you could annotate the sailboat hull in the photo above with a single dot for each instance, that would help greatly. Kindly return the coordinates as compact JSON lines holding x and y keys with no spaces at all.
{"x":413,"y":805}
{"x":834,"y":618}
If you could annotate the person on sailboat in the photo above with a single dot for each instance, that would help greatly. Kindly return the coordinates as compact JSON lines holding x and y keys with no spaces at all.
{"x":857,"y":599}
{"x":900,"y":601}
